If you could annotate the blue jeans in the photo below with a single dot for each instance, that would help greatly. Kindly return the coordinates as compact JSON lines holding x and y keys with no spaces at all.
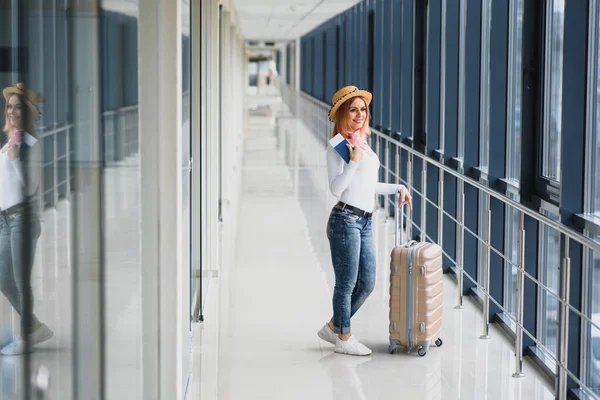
{"x":17,"y":248}
{"x":353,"y":257}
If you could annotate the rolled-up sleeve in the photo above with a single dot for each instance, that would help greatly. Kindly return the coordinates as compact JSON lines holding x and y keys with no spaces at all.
{"x":387,"y":188}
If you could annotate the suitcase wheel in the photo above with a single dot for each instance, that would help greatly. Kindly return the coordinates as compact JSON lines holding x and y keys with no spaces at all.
{"x":439,"y":342}
{"x":393,"y":349}
{"x":422,"y":351}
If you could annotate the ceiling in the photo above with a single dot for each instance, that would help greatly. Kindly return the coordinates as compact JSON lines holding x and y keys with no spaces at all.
{"x":263,"y":20}
{"x":280,"y":20}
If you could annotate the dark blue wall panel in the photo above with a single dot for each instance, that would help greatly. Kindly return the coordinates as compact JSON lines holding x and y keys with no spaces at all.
{"x":119,"y":46}
{"x":407,"y":67}
{"x":496,"y":262}
{"x":472,"y":83}
{"x":498,"y":88}
{"x":277,"y":60}
{"x":396,"y":67}
{"x":470,"y":242}
{"x":433,"y":74}
{"x":386,"y":65}
{"x":318,"y":64}
{"x":341,"y":53}
{"x":449,"y":227}
{"x":451,"y":101}
{"x":288,"y":51}
{"x":363,"y":14}
{"x":377,"y":62}
{"x":331,"y":62}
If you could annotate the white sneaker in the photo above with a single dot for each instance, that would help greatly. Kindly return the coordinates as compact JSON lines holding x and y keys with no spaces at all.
{"x":41,"y":334}
{"x":327,"y":334}
{"x":351,"y":346}
{"x":19,"y":346}
{"x":16,"y":347}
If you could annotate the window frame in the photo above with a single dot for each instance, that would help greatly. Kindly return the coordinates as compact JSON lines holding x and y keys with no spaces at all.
{"x":546,"y":188}
{"x":484,"y":84}
{"x":593,"y":99}
{"x":590,"y":189}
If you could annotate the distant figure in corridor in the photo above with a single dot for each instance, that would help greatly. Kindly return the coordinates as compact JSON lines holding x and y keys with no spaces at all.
{"x":20,"y":170}
{"x":349,"y":227}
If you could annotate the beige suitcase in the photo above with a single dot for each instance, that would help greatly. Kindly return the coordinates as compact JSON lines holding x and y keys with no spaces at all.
{"x":416,"y":294}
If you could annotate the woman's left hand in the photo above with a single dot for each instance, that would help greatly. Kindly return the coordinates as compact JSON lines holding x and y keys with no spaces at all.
{"x":405,"y":197}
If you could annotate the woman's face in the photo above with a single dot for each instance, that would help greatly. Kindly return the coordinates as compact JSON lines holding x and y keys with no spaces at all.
{"x":14,"y":111}
{"x":357,"y":114}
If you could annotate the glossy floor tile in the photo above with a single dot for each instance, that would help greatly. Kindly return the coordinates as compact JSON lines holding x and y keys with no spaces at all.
{"x":259,"y":338}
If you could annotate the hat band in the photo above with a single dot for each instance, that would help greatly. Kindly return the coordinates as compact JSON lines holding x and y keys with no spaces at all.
{"x":335,"y":104}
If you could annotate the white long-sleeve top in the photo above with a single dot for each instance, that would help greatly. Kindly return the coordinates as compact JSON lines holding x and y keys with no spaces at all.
{"x":14,"y":187}
{"x":354,"y":183}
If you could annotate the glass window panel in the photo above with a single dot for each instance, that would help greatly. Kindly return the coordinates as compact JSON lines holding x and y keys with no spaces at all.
{"x":513,"y":147}
{"x":118,"y":67}
{"x":442,"y":78}
{"x":484,"y":122}
{"x":553,"y":101}
{"x":460,"y":151}
{"x":549,"y":262}
{"x":59,"y":55}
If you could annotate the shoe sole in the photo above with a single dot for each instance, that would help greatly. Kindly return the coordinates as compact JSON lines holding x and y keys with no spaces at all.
{"x":351,"y":354}
{"x":17,"y":354}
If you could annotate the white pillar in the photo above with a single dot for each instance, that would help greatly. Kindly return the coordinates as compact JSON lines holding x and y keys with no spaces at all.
{"x":87,"y":211}
{"x":163,"y":300}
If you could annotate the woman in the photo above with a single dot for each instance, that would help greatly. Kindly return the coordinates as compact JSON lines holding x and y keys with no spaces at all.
{"x":349,"y":228}
{"x":20,"y":170}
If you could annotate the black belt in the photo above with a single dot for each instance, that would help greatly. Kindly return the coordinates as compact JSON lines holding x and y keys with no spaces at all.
{"x":353,"y":210}
{"x":15,"y":209}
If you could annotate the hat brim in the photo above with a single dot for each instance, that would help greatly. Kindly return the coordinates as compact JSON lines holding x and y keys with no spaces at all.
{"x":9,"y":91}
{"x":356,"y":93}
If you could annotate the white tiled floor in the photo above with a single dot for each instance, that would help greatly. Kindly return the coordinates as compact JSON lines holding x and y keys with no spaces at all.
{"x":259,"y":339}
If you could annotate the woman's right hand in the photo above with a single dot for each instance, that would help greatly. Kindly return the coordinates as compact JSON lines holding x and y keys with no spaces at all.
{"x":356,"y":153}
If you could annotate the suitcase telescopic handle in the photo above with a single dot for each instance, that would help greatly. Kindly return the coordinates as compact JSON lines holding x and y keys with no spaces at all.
{"x":399,"y":219}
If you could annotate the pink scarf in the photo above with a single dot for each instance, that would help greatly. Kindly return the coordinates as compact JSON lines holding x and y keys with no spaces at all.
{"x":356,"y":140}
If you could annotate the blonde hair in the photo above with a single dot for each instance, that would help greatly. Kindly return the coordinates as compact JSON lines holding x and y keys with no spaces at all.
{"x":29,"y":123}
{"x":342,"y":118}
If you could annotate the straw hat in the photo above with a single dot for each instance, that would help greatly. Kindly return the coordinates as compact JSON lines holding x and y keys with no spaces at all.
{"x":344,"y":94}
{"x":31,"y":98}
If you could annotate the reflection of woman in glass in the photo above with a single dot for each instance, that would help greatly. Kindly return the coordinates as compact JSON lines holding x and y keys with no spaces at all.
{"x":20,"y":170}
